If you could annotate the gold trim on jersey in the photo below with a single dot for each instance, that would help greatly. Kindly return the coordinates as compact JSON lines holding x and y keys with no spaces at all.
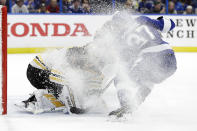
{"x":56,"y":72}
{"x":56,"y":79}
{"x":53,"y":100}
{"x":55,"y":75}
{"x":39,"y":64}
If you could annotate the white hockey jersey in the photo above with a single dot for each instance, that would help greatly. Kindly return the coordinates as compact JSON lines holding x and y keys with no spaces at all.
{"x":78,"y":68}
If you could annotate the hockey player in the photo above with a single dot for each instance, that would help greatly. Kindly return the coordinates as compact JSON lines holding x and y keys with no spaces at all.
{"x":152,"y":60}
{"x":142,"y":62}
{"x":57,"y":74}
{"x":42,"y":74}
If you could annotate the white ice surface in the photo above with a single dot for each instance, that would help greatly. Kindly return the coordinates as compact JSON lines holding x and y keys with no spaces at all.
{"x":172,"y":106}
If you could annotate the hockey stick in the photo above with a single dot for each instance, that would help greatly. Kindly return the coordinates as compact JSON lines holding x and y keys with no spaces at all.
{"x":106,"y":87}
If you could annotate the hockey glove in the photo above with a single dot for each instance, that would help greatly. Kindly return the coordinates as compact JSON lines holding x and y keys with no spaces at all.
{"x":76,"y":110}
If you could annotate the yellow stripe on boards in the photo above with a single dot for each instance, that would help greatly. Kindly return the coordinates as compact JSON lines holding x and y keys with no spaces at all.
{"x":185,"y":49}
{"x":44,"y":49}
{"x":30,"y":50}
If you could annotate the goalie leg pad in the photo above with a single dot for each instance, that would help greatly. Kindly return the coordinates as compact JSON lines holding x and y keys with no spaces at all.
{"x":42,"y":102}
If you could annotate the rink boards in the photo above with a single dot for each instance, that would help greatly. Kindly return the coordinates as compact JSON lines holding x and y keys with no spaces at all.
{"x":37,"y":33}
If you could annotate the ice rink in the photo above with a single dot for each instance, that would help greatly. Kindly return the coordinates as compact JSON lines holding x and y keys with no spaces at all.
{"x":172,"y":106}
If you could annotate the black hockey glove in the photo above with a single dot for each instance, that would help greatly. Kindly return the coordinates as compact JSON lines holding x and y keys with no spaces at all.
{"x":76,"y":110}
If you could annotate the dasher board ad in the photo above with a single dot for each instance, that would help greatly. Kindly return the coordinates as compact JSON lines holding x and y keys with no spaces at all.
{"x":76,"y":30}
